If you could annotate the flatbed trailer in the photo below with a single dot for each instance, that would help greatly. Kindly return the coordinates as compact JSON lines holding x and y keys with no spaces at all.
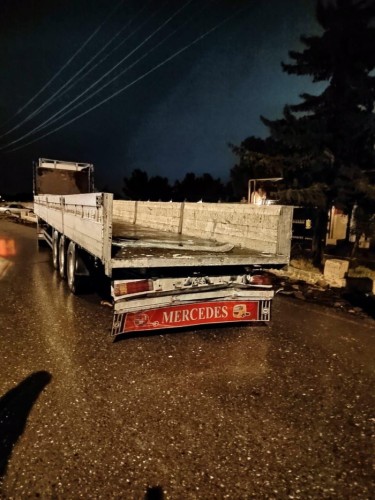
{"x":169,"y":264}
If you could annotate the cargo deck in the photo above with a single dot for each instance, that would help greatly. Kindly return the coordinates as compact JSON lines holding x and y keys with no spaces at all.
{"x":135,"y":246}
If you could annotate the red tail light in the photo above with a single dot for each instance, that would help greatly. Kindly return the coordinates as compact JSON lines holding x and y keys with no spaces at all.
{"x":131,"y":287}
{"x":260,"y":280}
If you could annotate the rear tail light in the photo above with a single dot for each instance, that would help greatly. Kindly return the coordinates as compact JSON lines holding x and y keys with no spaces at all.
{"x":131,"y":287}
{"x":260,"y":280}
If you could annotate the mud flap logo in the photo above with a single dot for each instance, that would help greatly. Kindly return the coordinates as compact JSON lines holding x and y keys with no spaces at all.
{"x":142,"y":320}
{"x":240,"y":311}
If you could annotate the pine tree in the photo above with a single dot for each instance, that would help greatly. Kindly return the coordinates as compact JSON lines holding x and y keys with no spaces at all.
{"x":258,"y":158}
{"x":326,"y":142}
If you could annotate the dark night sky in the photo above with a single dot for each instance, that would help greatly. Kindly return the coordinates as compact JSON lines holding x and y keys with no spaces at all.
{"x":178,"y":119}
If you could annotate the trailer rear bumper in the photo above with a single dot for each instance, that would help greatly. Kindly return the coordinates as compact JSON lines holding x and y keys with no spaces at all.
{"x":192,"y":314}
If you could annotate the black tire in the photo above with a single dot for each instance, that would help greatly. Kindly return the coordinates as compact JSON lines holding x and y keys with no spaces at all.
{"x":62,"y":257}
{"x":74,"y":280}
{"x":55,"y":249}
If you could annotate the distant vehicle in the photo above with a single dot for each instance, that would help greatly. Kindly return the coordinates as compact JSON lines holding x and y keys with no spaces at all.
{"x":12,"y":208}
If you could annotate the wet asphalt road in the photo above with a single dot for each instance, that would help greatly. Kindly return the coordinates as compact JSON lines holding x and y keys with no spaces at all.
{"x":284,"y":411}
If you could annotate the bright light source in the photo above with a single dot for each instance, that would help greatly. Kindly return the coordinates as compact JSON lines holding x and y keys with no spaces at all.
{"x":132,"y":287}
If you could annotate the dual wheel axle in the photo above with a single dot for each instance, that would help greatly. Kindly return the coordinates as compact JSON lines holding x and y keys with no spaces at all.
{"x":67,"y":261}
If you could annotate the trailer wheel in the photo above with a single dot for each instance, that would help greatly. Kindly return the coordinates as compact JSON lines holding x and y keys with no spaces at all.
{"x":55,"y":249}
{"x":62,"y":257}
{"x":74,"y":280}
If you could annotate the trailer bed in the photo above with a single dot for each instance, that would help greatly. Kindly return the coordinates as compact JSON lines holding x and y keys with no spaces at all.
{"x":167,"y":265}
{"x":135,"y":235}
{"x":135,"y":246}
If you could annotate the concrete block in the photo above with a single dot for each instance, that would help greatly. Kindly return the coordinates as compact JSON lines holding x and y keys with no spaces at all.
{"x":335,"y":268}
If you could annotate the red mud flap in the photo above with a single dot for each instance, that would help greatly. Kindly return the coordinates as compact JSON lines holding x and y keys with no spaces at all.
{"x":184,"y":315}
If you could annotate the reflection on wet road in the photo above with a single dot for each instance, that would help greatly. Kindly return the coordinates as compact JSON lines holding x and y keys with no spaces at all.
{"x":284,"y":411}
{"x":7,"y":249}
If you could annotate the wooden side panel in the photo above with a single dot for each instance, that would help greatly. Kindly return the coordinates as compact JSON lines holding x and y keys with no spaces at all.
{"x":265,"y":228}
{"x":284,"y":238}
{"x":85,"y":232}
{"x":49,"y":209}
{"x":124,"y":210}
{"x":246,"y":226}
{"x":83,"y":218}
{"x":157,"y":215}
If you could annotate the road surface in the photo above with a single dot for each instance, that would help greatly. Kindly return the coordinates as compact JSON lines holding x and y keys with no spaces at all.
{"x":279,"y":411}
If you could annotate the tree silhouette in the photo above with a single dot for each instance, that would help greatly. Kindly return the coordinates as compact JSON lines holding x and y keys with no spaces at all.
{"x":255,"y":162}
{"x":325,"y":144}
{"x":192,"y":188}
{"x":136,"y":186}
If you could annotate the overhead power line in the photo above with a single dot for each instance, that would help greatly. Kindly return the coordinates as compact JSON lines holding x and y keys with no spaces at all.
{"x":140,"y":78}
{"x":72,"y":82}
{"x":68,"y":85}
{"x":50,"y":121}
{"x":70,"y":104}
{"x":88,"y":40}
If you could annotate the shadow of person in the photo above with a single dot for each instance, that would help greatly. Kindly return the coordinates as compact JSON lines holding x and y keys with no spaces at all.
{"x":154,"y":493}
{"x":15,"y":407}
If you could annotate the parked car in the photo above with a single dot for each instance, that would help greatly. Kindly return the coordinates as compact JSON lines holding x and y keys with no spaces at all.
{"x":12,"y":208}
